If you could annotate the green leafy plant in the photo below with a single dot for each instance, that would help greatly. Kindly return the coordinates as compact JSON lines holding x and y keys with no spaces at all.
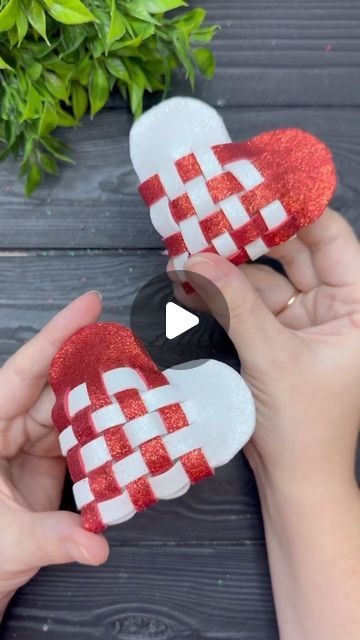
{"x":61,"y":58}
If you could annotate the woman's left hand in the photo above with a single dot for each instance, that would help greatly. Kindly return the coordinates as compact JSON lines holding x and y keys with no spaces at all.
{"x":33,"y":532}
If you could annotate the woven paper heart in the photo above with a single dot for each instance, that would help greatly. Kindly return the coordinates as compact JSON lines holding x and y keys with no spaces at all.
{"x":206,"y":193}
{"x":132,"y":434}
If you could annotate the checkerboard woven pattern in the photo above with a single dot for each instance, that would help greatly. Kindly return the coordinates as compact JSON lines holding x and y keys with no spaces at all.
{"x":136,"y":450}
{"x":204,"y":205}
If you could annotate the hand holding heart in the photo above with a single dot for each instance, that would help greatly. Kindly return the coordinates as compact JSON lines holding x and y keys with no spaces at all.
{"x":298,"y":362}
{"x":302,"y":365}
{"x":32,"y":470}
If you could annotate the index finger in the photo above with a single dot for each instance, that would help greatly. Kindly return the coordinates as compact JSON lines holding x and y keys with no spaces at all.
{"x":24,"y":375}
{"x":334,"y":248}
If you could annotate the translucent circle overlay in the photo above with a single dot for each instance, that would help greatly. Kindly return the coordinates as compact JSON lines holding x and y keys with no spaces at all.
{"x":207,"y":340}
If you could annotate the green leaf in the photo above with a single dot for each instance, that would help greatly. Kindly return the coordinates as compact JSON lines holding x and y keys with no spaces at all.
{"x":204,"y":34}
{"x":48,"y":120}
{"x":69,"y":11}
{"x":33,"y":179}
{"x":4,"y":65}
{"x":79,"y":100}
{"x":65,"y":119}
{"x":57,"y":86}
{"x":72,"y":37}
{"x":117,"y":68}
{"x":99,"y":89}
{"x":37,"y":19}
{"x":160,"y":6}
{"x":136,"y":88}
{"x":183,"y":54}
{"x":205,"y":61}
{"x":8,"y":16}
{"x":117,"y":25}
{"x":21,"y":25}
{"x":34,"y":71}
{"x":136,"y":9}
{"x":83,"y":71}
{"x":191,"y":20}
{"x":48,"y":163}
{"x":13,"y":36}
{"x":57,"y":148}
{"x":33,"y":107}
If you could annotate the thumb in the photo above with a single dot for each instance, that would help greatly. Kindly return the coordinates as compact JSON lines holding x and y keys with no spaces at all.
{"x":236,"y":306}
{"x":57,"y":537}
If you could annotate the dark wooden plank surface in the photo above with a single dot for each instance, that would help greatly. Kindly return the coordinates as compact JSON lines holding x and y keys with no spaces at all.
{"x":96,"y":203}
{"x":152,"y":593}
{"x":194,"y":568}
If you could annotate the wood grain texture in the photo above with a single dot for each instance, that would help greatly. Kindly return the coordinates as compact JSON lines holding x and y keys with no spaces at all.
{"x":194,"y":568}
{"x":96,"y":203}
{"x":151,"y":593}
{"x":281,"y":52}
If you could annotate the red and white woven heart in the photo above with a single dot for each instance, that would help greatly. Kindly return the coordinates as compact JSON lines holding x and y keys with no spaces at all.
{"x":235,"y":199}
{"x":133,"y":435}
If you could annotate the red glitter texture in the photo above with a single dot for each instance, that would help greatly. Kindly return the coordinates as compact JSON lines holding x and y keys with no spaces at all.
{"x":141,"y":494}
{"x":91,"y":518}
{"x":175,"y":244}
{"x":131,"y":404}
{"x":75,"y":465}
{"x":196,"y":466}
{"x":83,"y":426}
{"x":103,"y":483}
{"x":223,"y":186}
{"x":188,"y":168}
{"x":156,"y":456}
{"x":182,"y":208}
{"x":85,"y":357}
{"x":152,"y":190}
{"x":214,"y":225}
{"x":173,"y":417}
{"x":117,"y":443}
{"x":298,"y":170}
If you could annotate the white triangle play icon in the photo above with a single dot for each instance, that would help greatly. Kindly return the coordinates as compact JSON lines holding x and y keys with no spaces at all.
{"x":178,"y":320}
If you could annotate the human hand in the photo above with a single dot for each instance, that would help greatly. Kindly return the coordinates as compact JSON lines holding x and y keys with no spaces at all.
{"x":302,"y":364}
{"x":33,"y":533}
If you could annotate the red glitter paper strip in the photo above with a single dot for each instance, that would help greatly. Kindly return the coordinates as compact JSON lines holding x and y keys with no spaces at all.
{"x":152,"y":190}
{"x":297,"y":167}
{"x":175,"y":244}
{"x":281,"y":234}
{"x":83,"y":426}
{"x":103,"y":483}
{"x":91,"y":518}
{"x":117,"y":443}
{"x":141,"y":494}
{"x":239,"y":258}
{"x":75,"y":464}
{"x":182,"y":208}
{"x":196,"y":466}
{"x":188,"y":168}
{"x":214,"y":225}
{"x":131,"y":404}
{"x":156,"y":456}
{"x":249,"y":232}
{"x":173,"y":417}
{"x":223,"y":186}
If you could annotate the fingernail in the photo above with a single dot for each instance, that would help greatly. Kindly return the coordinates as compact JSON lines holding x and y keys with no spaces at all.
{"x":78,"y":553}
{"x":203,"y":266}
{"x":98,"y":293}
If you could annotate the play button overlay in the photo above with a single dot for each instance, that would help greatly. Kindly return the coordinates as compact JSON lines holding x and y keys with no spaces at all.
{"x":174,"y":333}
{"x":178,"y":320}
